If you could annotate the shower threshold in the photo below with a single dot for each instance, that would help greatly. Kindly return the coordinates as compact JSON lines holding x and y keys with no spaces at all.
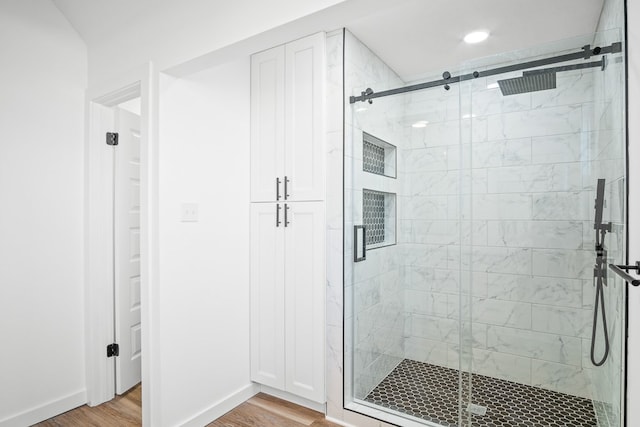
{"x":430,"y":392}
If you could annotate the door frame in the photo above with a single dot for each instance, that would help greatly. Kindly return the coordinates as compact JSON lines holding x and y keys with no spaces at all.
{"x":99,"y":302}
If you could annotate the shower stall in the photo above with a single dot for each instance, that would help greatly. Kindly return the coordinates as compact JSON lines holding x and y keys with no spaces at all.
{"x":475,"y":293}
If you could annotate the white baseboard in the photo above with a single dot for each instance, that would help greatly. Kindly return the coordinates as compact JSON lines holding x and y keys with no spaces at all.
{"x":339,"y":422}
{"x":320,"y":407}
{"x":222,"y":406}
{"x":46,"y":411}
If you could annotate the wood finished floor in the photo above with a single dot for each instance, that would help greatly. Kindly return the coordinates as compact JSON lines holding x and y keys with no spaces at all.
{"x":261,"y":410}
{"x":122,"y":411}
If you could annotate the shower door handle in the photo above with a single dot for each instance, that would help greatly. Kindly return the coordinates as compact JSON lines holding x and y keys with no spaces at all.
{"x":359,"y":251}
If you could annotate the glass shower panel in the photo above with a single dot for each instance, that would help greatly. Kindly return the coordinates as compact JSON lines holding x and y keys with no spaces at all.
{"x":402,"y":249}
{"x":608,"y":142}
{"x":376,"y":289}
{"x":537,"y":148}
{"x":472,"y":283}
{"x":374,"y":316}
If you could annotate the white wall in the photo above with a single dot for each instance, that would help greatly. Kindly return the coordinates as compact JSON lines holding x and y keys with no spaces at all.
{"x":171,"y":32}
{"x":204,"y":274}
{"x":43,"y":77}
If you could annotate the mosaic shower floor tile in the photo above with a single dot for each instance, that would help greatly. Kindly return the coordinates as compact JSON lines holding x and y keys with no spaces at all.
{"x":431,"y":393}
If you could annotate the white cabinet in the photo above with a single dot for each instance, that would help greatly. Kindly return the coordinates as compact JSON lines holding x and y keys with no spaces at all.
{"x":304,"y":296}
{"x":267,"y":124}
{"x":267,"y":295}
{"x":287,"y":122}
{"x":288,"y":224}
{"x":288,"y":297}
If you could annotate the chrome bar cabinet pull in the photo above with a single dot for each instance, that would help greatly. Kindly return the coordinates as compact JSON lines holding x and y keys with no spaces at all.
{"x":286,"y":215}
{"x":286,"y":186}
{"x":278,"y":222}
{"x":278,"y":188}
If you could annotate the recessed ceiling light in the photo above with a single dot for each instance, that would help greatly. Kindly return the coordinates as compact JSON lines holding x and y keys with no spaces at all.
{"x":468,"y":116}
{"x":476,"y":37}
{"x":420,"y":124}
{"x":493,"y":86}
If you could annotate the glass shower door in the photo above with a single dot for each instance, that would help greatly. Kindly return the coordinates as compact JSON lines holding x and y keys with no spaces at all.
{"x":536,"y":152}
{"x":470,"y":244}
{"x":372,"y":256}
{"x":405,"y":342}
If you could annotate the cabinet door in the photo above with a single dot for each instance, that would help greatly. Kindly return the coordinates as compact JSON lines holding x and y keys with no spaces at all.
{"x":267,"y":296}
{"x":304,"y":113}
{"x":305,"y":300}
{"x":267,"y":123}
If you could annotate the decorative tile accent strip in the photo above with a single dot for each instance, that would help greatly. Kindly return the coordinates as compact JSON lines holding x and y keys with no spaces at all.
{"x":373,"y":216}
{"x":431,"y":392}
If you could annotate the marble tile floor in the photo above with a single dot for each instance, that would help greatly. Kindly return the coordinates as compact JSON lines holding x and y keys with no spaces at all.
{"x":431,"y":393}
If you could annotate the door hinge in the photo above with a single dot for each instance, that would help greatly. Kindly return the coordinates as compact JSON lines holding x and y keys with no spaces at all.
{"x":113,"y":350}
{"x":112,"y":138}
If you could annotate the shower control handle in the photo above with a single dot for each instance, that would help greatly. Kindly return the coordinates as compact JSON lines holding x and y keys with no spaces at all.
{"x":278,"y":188}
{"x":278,"y":222}
{"x":286,"y":185}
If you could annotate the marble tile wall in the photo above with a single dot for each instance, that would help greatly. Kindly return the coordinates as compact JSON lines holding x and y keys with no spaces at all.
{"x":509,"y":201}
{"x":334,"y":211}
{"x":339,"y":298}
{"x":375,"y":292}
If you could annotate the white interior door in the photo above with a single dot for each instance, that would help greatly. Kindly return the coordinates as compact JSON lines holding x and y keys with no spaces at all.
{"x":127,"y":250}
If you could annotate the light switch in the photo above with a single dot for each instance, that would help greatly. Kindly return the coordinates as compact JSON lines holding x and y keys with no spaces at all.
{"x":189,"y":212}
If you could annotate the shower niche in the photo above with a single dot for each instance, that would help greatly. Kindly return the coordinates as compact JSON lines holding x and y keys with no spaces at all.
{"x":480,"y":310}
{"x":379,"y":218}
{"x":378,"y":156}
{"x":378,"y":178}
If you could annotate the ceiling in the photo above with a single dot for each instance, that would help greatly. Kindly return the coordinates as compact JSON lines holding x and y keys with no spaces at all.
{"x":426,"y":35}
{"x":413,"y":36}
{"x":93,"y":19}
